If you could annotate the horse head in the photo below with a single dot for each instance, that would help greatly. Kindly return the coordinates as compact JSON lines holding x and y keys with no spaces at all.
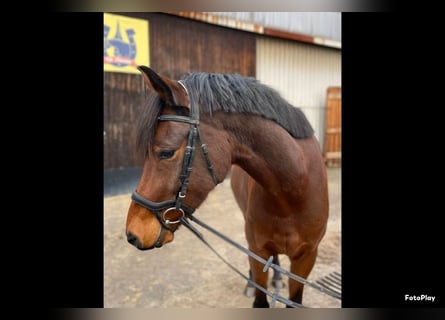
{"x":179,"y":170}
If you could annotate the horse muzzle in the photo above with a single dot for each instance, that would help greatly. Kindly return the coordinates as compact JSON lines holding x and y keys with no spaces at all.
{"x":164,"y":236}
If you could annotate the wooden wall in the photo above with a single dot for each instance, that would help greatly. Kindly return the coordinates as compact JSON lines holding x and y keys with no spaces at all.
{"x":123,"y":96}
{"x":332,"y":141}
{"x":177,"y":46}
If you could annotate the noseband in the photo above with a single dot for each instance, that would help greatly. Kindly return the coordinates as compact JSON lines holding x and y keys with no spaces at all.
{"x":177,"y":204}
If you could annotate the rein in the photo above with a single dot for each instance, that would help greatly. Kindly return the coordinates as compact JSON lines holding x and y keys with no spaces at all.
{"x":177,"y":204}
{"x":267,"y":264}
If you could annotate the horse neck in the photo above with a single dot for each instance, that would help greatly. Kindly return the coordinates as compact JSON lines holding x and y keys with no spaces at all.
{"x":266,"y":151}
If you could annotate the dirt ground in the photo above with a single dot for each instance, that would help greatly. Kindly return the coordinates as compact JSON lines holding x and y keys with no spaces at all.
{"x":187,"y":274}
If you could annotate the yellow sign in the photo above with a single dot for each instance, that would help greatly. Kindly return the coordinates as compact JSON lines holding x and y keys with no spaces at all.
{"x":125,"y":43}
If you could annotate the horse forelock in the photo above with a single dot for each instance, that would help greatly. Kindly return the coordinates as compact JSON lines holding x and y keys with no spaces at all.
{"x":147,"y":122}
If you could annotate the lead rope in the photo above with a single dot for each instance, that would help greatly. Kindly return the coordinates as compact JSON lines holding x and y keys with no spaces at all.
{"x":267,"y":263}
{"x":274,"y":295}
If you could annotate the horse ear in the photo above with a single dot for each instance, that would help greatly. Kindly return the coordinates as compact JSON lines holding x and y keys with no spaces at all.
{"x":167,"y":89}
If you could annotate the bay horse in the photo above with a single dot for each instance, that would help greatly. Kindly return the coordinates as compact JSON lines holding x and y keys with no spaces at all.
{"x":194,"y":132}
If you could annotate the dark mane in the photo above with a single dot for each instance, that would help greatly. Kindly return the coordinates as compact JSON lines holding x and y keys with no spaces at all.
{"x":229,"y":93}
{"x":237,"y":94}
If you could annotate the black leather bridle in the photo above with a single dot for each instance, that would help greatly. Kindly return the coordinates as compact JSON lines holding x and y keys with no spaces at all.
{"x":160,"y":209}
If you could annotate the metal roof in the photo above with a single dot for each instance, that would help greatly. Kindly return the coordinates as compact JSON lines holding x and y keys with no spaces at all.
{"x":321,"y":28}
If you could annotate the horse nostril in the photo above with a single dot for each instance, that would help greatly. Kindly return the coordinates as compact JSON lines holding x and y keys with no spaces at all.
{"x":131,"y":238}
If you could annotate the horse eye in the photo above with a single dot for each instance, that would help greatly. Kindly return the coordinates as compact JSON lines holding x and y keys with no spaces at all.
{"x":165,"y":154}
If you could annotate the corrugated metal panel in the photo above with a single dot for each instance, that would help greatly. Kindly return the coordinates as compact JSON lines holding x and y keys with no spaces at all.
{"x":301,"y":73}
{"x":319,"y":24}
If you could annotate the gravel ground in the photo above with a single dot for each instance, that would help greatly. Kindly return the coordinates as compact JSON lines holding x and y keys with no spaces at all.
{"x":186,"y":274}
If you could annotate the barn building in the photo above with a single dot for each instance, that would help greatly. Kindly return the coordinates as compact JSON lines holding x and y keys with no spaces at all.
{"x":297,"y":53}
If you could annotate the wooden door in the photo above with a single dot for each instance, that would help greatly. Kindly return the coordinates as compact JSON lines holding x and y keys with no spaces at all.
{"x":332,"y":141}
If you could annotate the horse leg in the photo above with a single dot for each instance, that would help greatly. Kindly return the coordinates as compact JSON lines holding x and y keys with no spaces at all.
{"x":300,"y":266}
{"x":260,"y":279}
{"x":277,"y":282}
{"x":249,"y":291}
